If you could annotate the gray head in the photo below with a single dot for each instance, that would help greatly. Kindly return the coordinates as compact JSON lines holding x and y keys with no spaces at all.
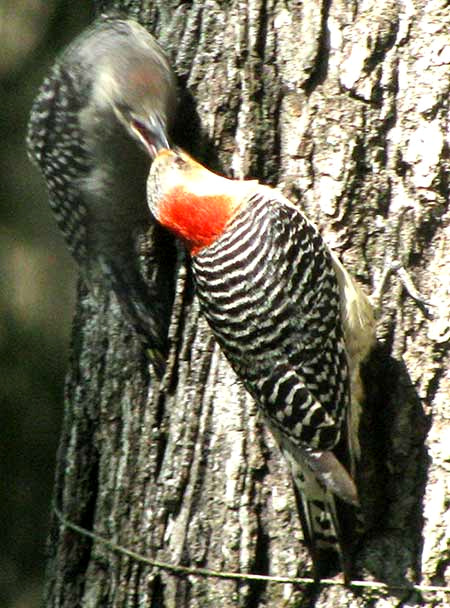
{"x":112,"y":83}
{"x":129,"y":82}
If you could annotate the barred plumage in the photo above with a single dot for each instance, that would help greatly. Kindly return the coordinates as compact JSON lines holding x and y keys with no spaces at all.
{"x":101,"y":114}
{"x":275,"y":298}
{"x":268,"y":289}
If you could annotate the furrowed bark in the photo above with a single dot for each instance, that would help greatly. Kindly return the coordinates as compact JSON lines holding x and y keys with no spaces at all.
{"x":344,"y":107}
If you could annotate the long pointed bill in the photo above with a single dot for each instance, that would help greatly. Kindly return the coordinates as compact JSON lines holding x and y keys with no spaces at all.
{"x":151,"y":134}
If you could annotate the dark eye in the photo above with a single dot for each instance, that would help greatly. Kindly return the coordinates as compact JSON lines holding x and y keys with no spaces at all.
{"x":179,"y":161}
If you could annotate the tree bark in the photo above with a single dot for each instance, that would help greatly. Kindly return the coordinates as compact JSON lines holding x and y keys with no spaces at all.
{"x":343,"y":106}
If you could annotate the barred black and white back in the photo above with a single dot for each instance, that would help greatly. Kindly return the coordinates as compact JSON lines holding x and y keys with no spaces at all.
{"x":269,"y":291}
{"x":55,"y":144}
{"x":291,"y":321}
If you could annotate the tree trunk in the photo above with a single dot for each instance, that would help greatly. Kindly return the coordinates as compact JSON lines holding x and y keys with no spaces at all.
{"x":343,"y":106}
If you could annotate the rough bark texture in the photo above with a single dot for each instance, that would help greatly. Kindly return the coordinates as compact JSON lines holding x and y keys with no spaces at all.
{"x":344,"y":106}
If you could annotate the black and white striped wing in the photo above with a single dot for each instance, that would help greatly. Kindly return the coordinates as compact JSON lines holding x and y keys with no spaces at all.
{"x":269,"y":292}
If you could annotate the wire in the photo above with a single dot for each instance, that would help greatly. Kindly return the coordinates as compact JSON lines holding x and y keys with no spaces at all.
{"x":206,"y":572}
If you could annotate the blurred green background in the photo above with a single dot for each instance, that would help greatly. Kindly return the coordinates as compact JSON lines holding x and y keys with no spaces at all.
{"x":37,"y":286}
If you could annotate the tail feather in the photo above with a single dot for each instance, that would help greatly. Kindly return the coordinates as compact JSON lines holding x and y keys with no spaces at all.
{"x":327,"y":519}
{"x":330,"y":473}
{"x":321,"y":527}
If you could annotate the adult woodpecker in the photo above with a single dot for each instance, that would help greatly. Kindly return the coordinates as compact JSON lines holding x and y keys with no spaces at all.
{"x":288,"y":317}
{"x":100,"y":116}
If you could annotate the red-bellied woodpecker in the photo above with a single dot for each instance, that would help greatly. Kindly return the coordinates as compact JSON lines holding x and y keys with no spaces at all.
{"x":288,"y":317}
{"x":100,"y":116}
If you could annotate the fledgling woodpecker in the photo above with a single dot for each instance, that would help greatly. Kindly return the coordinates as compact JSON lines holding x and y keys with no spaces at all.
{"x":100,"y":116}
{"x":288,"y":317}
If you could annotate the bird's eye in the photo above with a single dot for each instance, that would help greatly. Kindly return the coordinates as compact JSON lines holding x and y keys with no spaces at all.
{"x":179,"y":161}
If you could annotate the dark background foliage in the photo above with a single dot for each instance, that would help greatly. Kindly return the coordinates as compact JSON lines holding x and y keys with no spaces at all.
{"x":36,"y":300}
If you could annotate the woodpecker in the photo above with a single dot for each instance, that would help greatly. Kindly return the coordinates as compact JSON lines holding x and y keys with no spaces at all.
{"x":100,"y":116}
{"x":290,"y":320}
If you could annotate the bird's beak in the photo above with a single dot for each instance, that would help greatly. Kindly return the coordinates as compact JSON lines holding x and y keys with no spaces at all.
{"x":151,"y":133}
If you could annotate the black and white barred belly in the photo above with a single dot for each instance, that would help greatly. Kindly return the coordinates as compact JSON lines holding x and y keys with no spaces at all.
{"x":269,"y":292}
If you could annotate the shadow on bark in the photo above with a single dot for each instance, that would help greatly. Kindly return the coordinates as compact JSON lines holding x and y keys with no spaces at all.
{"x":394,"y":471}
